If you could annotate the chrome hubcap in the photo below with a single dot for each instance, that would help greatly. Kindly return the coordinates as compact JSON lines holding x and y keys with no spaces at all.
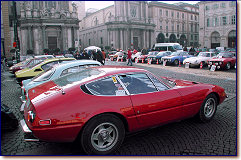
{"x":104,"y":136}
{"x":209,"y":107}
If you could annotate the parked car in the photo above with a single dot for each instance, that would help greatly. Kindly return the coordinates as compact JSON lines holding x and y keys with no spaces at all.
{"x":33,"y":71}
{"x":176,"y":57}
{"x":144,"y":56}
{"x":97,"y":106}
{"x":23,"y":58}
{"x":9,"y":122}
{"x":224,"y":60}
{"x":46,"y":56}
{"x":158,"y":56}
{"x":55,"y":72}
{"x":25,"y":64}
{"x":203,"y":57}
{"x":135,"y":56}
{"x":117,"y":54}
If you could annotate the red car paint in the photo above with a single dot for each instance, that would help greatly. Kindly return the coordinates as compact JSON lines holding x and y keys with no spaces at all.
{"x":69,"y":108}
{"x":215,"y":61}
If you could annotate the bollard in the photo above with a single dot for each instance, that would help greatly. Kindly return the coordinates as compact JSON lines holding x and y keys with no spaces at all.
{"x":122,"y":59}
{"x":157,"y":61}
{"x":142,"y":60}
{"x":179,"y":64}
{"x":201,"y":65}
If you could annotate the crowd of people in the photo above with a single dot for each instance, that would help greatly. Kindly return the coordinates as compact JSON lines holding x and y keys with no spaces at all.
{"x":92,"y":54}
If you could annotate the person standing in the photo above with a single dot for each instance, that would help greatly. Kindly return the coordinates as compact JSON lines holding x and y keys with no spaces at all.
{"x":77,"y":56}
{"x":99,"y":57}
{"x":104,"y":56}
{"x":85,"y":55}
{"x":129,"y":57}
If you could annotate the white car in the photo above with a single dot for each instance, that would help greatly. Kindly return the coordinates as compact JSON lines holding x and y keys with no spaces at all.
{"x":56,"y":72}
{"x":134,"y":56}
{"x":203,"y":57}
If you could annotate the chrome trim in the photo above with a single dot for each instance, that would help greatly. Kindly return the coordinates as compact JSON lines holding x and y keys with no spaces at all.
{"x":24,"y":126}
{"x":123,"y":85}
{"x":45,"y":124}
{"x":22,"y":107}
{"x":31,"y":140}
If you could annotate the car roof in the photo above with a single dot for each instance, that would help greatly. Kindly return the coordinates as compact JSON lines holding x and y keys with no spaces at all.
{"x":76,"y":63}
{"x":111,"y":70}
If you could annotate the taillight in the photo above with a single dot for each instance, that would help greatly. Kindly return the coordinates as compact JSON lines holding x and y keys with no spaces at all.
{"x":45,"y":122}
{"x":31,"y":116}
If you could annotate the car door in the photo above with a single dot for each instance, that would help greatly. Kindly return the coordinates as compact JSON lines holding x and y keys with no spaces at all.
{"x":153,"y":104}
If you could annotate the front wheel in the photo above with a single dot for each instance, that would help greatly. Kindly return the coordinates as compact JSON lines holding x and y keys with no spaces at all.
{"x":102,"y":135}
{"x":176,"y":62}
{"x":208,"y":108}
{"x":228,"y":65}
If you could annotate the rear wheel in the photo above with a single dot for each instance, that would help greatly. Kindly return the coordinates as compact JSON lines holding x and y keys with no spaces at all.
{"x":208,"y":108}
{"x":176,"y":62}
{"x":102,"y":135}
{"x":228,"y":65}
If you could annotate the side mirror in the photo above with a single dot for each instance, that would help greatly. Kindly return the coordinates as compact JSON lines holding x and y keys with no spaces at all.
{"x":37,"y":70}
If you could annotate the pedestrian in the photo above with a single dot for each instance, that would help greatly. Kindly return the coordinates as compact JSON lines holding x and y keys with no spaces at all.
{"x":99,"y":57}
{"x":104,"y":56}
{"x":185,"y":48}
{"x":192,"y":51}
{"x":77,"y":56}
{"x":129,"y":57}
{"x":94,"y":55}
{"x":85,"y":55}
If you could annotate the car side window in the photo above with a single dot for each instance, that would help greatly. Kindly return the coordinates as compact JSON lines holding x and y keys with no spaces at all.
{"x":106,"y":87}
{"x":159,"y":85}
{"x":48,"y":65}
{"x":70,"y":70}
{"x":138,"y":83}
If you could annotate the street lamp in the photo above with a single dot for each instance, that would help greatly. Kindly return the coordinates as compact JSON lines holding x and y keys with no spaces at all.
{"x":16,"y":39}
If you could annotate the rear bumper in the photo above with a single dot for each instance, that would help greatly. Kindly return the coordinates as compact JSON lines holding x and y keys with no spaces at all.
{"x":28,"y":135}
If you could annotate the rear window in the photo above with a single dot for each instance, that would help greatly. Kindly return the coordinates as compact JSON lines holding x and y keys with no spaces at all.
{"x":44,"y":75}
{"x":83,"y":76}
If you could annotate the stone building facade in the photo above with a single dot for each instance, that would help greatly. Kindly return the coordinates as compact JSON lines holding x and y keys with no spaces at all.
{"x":217,"y":24}
{"x":48,"y":25}
{"x":139,"y":24}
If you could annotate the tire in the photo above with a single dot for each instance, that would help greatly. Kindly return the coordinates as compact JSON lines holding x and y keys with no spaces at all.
{"x":228,"y":66}
{"x":176,"y":62}
{"x":208,"y":109}
{"x":102,"y":135}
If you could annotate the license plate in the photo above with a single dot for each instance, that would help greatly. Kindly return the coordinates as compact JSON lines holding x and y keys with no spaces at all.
{"x":187,"y":65}
{"x":213,"y":68}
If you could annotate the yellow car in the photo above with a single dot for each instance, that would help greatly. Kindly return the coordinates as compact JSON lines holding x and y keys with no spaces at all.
{"x":33,"y":71}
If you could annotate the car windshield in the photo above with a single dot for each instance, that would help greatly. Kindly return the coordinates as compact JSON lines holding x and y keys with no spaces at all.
{"x":82,"y":76}
{"x":175,"y":54}
{"x":34,"y":63}
{"x":44,"y":75}
{"x":152,"y":53}
{"x":177,"y":47}
{"x":225,"y":55}
{"x":203,"y":54}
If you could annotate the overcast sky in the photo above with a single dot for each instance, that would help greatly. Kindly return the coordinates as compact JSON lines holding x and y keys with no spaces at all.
{"x":103,"y":4}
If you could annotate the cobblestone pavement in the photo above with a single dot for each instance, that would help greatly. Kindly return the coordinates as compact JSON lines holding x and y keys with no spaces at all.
{"x":188,"y":137}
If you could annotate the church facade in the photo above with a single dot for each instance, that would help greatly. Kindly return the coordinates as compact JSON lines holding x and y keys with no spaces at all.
{"x":140,"y":24}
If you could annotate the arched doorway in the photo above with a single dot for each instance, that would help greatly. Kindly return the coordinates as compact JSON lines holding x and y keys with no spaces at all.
{"x":183,"y":40}
{"x":173,"y":38}
{"x":160,"y":38}
{"x":215,"y":40}
{"x":232,"y":39}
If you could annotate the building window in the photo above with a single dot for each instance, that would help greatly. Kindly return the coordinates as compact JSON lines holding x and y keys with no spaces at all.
{"x":183,"y":27}
{"x":195,"y":27}
{"x":172,"y":27}
{"x":166,"y":28}
{"x":208,"y":22}
{"x":191,"y":27}
{"x":191,"y":17}
{"x":223,"y":5}
{"x":224,"y":20}
{"x":207,"y":8}
{"x":167,"y":13}
{"x":160,"y":12}
{"x":89,"y":41}
{"x":178,"y":28}
{"x":233,"y":19}
{"x":160,"y":25}
{"x":232,"y":4}
{"x":216,"y":21}
{"x":215,"y":6}
{"x":195,"y":18}
{"x":172,"y":14}
{"x":191,"y":37}
{"x":101,"y":40}
{"x":177,"y":14}
{"x":195,"y":37}
{"x":182,"y":15}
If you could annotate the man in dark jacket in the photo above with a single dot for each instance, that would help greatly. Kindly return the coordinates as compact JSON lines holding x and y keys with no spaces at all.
{"x":99,"y":57}
{"x":85,"y":55}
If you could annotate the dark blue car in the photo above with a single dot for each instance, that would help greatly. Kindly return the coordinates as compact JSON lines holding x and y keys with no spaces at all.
{"x":158,"y":56}
{"x":175,"y":57}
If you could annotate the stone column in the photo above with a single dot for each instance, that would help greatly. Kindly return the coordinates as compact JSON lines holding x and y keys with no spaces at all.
{"x":69,"y":37}
{"x":36,"y":41}
{"x":147,"y":39}
{"x":131,"y":30}
{"x":23,"y":41}
{"x":144,"y":38}
{"x":30,"y":38}
{"x":44,"y":37}
{"x":121,"y":39}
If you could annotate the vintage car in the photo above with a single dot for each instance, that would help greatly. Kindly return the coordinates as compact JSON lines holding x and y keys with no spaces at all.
{"x":25,"y":64}
{"x":144,"y":56}
{"x":33,"y":71}
{"x":203,"y":57}
{"x":97,"y":106}
{"x":116,"y":55}
{"x":135,"y":56}
{"x":176,"y":57}
{"x":224,"y":60}
{"x":158,"y":56}
{"x":56,"y":72}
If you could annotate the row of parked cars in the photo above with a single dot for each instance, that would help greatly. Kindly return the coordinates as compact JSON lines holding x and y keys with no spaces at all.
{"x":223,"y":60}
{"x":71,"y":100}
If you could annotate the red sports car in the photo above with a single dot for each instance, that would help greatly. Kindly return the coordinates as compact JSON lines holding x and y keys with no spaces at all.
{"x":224,"y":60}
{"x":97,"y":106}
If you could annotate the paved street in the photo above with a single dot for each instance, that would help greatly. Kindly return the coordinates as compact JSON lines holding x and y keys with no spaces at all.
{"x":186,"y":137}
